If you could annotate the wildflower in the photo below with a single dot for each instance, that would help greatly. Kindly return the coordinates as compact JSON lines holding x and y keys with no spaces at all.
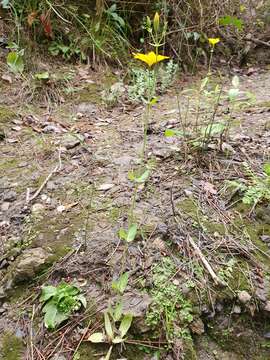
{"x":151,"y":58}
{"x":213,"y":41}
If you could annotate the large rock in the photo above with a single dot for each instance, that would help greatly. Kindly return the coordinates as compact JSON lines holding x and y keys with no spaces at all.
{"x":26,"y":266}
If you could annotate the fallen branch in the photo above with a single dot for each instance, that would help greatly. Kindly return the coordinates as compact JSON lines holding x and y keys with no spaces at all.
{"x":55,"y":170}
{"x":257,"y":41}
{"x":204,"y":261}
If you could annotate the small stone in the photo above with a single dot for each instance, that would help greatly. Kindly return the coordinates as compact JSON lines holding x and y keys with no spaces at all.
{"x":244,"y":297}
{"x":267,"y":306}
{"x":70,"y":141}
{"x":10,"y":196}
{"x":5,"y":206}
{"x":265,"y":238}
{"x":236,"y":309}
{"x":105,"y":187}
{"x":197,"y":327}
{"x":37,"y":208}
{"x":261,"y":294}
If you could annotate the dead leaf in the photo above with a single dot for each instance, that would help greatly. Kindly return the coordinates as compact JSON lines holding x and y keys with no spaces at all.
{"x":208,"y":187}
{"x":7,"y":78}
{"x":105,"y":187}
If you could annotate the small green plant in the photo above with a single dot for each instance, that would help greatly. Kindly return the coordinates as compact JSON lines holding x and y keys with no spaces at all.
{"x":130,"y":234}
{"x":59,"y":302}
{"x":257,"y":189}
{"x":169,"y":306}
{"x":116,"y":324}
{"x":15,"y":60}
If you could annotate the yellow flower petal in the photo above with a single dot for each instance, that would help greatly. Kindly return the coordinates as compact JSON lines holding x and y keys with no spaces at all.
{"x":151,"y":58}
{"x":213,"y":41}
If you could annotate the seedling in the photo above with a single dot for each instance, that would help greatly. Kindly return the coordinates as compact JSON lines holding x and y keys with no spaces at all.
{"x":59,"y":303}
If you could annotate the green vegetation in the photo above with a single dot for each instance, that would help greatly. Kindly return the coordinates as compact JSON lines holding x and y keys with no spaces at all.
{"x":169,"y":306}
{"x":59,"y":303}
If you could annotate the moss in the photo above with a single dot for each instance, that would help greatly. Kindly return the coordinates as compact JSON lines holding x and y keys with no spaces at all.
{"x":12,"y":347}
{"x":90,"y":94}
{"x":6,"y":114}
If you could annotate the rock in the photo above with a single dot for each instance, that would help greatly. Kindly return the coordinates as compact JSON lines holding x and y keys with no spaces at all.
{"x":5,"y":206}
{"x":86,"y":108}
{"x":105,"y":187}
{"x":261,"y":294}
{"x":26,"y":266}
{"x":10,"y":196}
{"x":244,"y":297}
{"x":267,"y":306}
{"x":37,"y":208}
{"x":70,"y":141}
{"x":236,"y":309}
{"x":197,"y":327}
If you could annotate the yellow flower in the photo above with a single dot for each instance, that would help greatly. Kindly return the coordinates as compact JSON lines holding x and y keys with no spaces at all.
{"x":151,"y":58}
{"x":213,"y":41}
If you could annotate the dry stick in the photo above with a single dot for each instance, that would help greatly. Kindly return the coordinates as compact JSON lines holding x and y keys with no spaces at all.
{"x":55,"y":170}
{"x":31,"y":333}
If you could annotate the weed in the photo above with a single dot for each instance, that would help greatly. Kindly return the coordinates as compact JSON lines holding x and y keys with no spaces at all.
{"x":59,"y":303}
{"x":113,"y":316}
{"x":257,"y":189}
{"x":169,"y":306}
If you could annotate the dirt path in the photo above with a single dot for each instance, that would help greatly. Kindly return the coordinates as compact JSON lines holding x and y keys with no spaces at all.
{"x":77,"y":215}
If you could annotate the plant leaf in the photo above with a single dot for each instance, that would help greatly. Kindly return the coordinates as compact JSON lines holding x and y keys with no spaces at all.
{"x":122,"y":234}
{"x":82,"y":300}
{"x":125,"y":325}
{"x":173,"y":132}
{"x":15,"y":62}
{"x":47,"y":293}
{"x":97,"y":338}
{"x":118,"y":310}
{"x":266,"y":169}
{"x":121,"y":284}
{"x":233,"y":93}
{"x":141,"y":179}
{"x":108,"y":326}
{"x":132,"y":232}
{"x":42,"y":76}
{"x":50,"y":310}
{"x":235,"y":81}
{"x":108,"y":355}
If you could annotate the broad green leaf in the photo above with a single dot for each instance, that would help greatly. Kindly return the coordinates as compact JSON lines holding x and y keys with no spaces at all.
{"x":266,"y":169}
{"x":132,"y":232}
{"x":5,"y":4}
{"x":121,"y":284}
{"x":97,"y":338}
{"x":42,"y":76}
{"x":231,"y":20}
{"x":82,"y":300}
{"x":50,"y":314}
{"x":154,"y":101}
{"x":122,"y":234}
{"x":47,"y":293}
{"x":108,"y":326}
{"x":235,"y":81}
{"x":125,"y":325}
{"x":204,"y":83}
{"x":233,"y":93}
{"x":141,"y":179}
{"x":15,"y":62}
{"x":213,"y":129}
{"x":118,"y":310}
{"x":173,"y":132}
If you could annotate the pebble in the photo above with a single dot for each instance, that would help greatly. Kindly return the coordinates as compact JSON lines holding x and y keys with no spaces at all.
{"x":5,"y":206}
{"x":244,"y":297}
{"x":10,"y":196}
{"x":37,"y":208}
